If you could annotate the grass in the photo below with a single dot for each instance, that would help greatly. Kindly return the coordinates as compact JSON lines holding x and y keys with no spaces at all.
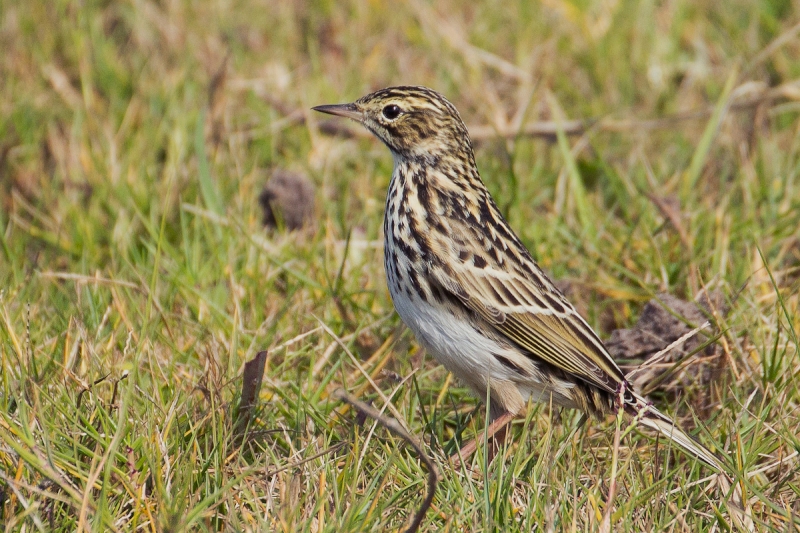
{"x":136,"y":278}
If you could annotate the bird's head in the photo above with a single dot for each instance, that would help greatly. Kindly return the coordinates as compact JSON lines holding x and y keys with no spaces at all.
{"x":414,"y":122}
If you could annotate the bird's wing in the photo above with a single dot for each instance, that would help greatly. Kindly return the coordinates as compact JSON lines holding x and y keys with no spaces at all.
{"x":525,"y":307}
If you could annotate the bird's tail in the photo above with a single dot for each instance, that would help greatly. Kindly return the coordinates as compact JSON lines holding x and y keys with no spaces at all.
{"x":649,"y":416}
{"x":652,"y":418}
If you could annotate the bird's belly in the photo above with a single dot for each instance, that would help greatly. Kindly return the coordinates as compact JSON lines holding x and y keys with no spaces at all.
{"x":471,"y":356}
{"x":451,"y":340}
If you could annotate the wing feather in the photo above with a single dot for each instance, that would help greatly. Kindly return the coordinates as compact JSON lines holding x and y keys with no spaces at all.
{"x":558,"y":336}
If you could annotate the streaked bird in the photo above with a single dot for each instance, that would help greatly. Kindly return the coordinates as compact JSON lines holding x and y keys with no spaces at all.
{"x":464,"y":283}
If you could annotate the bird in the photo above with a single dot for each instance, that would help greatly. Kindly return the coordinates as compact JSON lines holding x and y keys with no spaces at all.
{"x":464,"y":283}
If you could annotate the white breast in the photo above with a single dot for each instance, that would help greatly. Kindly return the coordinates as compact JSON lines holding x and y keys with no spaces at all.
{"x":470,"y":356}
{"x":453,"y":342}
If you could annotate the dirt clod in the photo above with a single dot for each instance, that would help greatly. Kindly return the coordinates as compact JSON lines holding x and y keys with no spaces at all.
{"x":288,"y":201}
{"x":664,"y":320}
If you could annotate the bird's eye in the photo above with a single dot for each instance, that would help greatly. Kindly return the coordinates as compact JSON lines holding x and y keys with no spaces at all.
{"x":391,"y":112}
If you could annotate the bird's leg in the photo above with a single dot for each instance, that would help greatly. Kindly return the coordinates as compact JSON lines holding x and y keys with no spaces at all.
{"x":622,"y":388}
{"x":496,"y":431}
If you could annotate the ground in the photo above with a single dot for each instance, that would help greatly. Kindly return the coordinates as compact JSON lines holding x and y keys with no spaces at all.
{"x":638,"y":148}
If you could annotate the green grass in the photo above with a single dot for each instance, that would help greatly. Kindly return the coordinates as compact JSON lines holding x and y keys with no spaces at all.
{"x":136,"y":278}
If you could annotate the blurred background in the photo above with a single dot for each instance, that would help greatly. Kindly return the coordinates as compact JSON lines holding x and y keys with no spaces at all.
{"x":170,"y":206}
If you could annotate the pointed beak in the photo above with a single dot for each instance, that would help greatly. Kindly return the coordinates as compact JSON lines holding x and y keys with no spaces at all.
{"x":341,"y":110}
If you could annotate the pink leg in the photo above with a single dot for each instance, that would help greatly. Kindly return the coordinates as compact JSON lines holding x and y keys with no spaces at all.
{"x":496,"y":430}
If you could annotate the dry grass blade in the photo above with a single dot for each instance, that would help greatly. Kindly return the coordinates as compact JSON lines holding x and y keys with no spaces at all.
{"x":660,"y":356}
{"x":326,"y":451}
{"x":454,"y":37}
{"x":741,"y":511}
{"x":395,"y":427}
{"x":90,"y":279}
{"x":671,"y":211}
{"x":362,"y":371}
{"x":605,"y":523}
{"x":700,"y":156}
{"x":781,"y":40}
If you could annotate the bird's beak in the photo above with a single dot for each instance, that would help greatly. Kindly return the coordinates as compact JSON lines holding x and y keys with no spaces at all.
{"x":341,"y":110}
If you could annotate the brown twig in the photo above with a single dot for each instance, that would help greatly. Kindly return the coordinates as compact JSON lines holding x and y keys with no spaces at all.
{"x":395,"y":427}
{"x":549,"y":128}
{"x":252,"y":377}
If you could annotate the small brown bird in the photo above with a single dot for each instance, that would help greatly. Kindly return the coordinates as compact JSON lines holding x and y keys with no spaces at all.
{"x":469,"y":289}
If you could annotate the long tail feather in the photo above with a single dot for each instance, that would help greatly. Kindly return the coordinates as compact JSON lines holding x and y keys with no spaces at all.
{"x":650,"y":417}
{"x":654,"y":419}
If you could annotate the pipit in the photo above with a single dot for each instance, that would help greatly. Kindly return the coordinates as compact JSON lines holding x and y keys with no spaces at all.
{"x":464,"y":283}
